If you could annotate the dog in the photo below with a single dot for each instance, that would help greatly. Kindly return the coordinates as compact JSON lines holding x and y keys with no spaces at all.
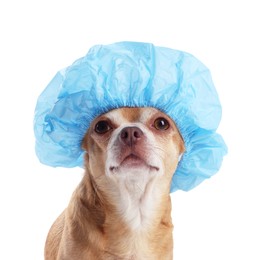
{"x":122,"y":207}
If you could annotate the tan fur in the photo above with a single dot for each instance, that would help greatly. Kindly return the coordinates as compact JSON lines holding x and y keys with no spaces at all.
{"x":92,"y":226}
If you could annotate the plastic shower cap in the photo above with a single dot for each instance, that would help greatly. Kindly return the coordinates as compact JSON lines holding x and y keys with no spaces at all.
{"x":131,"y":74}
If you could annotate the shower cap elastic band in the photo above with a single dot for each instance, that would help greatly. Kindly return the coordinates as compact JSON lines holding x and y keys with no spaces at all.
{"x":132,"y":74}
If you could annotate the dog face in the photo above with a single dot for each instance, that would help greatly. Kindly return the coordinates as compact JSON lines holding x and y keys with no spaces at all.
{"x":133,"y":144}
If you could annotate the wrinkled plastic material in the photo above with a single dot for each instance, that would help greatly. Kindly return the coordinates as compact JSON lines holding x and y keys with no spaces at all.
{"x":130,"y":74}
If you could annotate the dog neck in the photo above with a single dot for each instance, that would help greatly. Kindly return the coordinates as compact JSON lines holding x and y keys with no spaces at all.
{"x":135,"y":202}
{"x":129,"y":215}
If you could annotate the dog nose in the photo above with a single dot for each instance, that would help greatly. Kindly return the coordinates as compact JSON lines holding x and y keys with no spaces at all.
{"x":131,"y":135}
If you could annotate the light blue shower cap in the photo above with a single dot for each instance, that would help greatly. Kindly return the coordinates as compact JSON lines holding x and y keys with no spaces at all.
{"x":131,"y":74}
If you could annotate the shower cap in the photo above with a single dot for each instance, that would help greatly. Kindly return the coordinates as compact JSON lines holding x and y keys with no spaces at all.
{"x":132,"y":74}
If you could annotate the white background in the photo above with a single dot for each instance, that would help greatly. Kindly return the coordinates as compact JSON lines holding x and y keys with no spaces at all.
{"x":220,"y":218}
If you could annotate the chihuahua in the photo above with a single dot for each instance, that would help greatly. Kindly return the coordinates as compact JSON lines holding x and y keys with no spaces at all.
{"x":121,"y":209}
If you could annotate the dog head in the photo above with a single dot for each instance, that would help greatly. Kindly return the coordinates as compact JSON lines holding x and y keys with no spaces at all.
{"x":133,"y":144}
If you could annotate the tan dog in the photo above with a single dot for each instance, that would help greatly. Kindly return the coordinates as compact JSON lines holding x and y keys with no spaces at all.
{"x":122,"y":207}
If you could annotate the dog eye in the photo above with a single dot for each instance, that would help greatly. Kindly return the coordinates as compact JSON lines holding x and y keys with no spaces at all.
{"x":161,"y":124}
{"x":102,"y":127}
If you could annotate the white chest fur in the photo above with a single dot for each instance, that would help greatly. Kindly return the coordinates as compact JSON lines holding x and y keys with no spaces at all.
{"x":136,"y":200}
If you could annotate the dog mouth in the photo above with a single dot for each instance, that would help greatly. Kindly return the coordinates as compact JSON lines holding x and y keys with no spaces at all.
{"x":133,"y":161}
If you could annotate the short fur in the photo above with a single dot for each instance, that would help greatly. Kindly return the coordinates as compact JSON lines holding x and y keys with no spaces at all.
{"x":122,"y":208}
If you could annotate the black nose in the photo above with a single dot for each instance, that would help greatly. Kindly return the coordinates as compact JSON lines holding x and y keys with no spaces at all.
{"x":131,"y":135}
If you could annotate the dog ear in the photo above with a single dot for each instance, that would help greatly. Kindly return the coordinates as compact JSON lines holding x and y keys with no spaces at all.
{"x":182,"y":145}
{"x":180,"y":140}
{"x":84,"y":143}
